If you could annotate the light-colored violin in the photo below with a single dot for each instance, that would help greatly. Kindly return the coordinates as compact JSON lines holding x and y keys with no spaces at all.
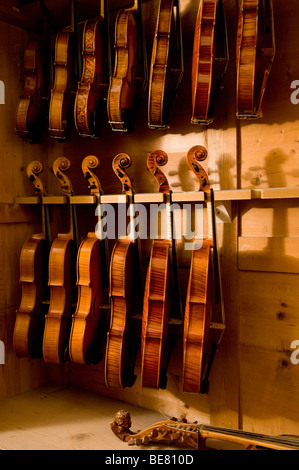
{"x":124,"y":282}
{"x":161,"y":291}
{"x":88,"y":324}
{"x":61,"y":101}
{"x":62,"y":279}
{"x":30,"y":317}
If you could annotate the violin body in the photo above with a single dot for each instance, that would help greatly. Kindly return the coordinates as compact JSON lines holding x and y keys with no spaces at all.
{"x":123,"y":84}
{"x":118,"y":337}
{"x":255,"y":55}
{"x":124,"y":277}
{"x":60,"y":114}
{"x":198,"y":306}
{"x":62,"y":296}
{"x":203,"y":60}
{"x":90,"y":89}
{"x":31,"y":106}
{"x":87,"y":319}
{"x":61,"y":280}
{"x":197,"y":317}
{"x":30,"y":318}
{"x":163,"y":79}
{"x":156,"y":313}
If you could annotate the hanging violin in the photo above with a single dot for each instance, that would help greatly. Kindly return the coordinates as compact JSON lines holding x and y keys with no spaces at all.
{"x":124,"y":290}
{"x":30,"y":317}
{"x":209,"y":60}
{"x":166,"y":70}
{"x":161,"y":290}
{"x":32,"y":105}
{"x":88,"y":322}
{"x":62,"y":279}
{"x":125,"y":84}
{"x":91,"y":91}
{"x":255,"y":56}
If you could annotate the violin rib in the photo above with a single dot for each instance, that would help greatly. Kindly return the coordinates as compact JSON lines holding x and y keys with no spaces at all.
{"x":30,"y":319}
{"x":90,"y":88}
{"x":61,"y":282}
{"x":255,"y":55}
{"x":118,"y":336}
{"x":156,"y":313}
{"x":202,"y":61}
{"x":163,"y":79}
{"x":61,"y":101}
{"x":31,"y":106}
{"x":123,"y":84}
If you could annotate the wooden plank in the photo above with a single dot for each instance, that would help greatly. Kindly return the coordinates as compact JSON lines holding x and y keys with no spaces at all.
{"x":271,"y":254}
{"x":15,"y":214}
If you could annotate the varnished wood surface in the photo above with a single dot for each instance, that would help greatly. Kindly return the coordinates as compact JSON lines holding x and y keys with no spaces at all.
{"x":90,"y":90}
{"x":202,"y":60}
{"x":31,"y":109}
{"x":61,"y":110}
{"x":123,"y":87}
{"x":118,"y":346}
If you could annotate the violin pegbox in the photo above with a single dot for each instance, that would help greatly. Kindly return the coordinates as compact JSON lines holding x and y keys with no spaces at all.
{"x":155,"y":160}
{"x":89,"y":164}
{"x":196,"y":155}
{"x":119,"y":165}
{"x":34,"y":169}
{"x":60,"y":166}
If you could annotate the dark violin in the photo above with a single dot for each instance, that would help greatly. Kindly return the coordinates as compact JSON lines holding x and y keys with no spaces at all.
{"x":255,"y":56}
{"x":166,"y":70}
{"x":88,"y":320}
{"x":62,"y":279}
{"x":209,"y":60}
{"x":30,"y":317}
{"x":124,"y":87}
{"x":31,"y":108}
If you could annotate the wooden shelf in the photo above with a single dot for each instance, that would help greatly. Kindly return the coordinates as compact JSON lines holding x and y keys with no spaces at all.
{"x":188,"y":196}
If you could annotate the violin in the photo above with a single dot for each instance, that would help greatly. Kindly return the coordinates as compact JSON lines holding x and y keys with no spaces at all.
{"x":87,"y":324}
{"x":255,"y":56}
{"x":209,"y":59}
{"x":62,"y":279}
{"x":124,"y":84}
{"x":121,"y":344}
{"x":30,"y":317}
{"x":166,"y":70}
{"x":198,"y":436}
{"x":90,"y":91}
{"x":31,"y":106}
{"x":199,"y":293}
{"x":61,"y":101}
{"x":160,"y":293}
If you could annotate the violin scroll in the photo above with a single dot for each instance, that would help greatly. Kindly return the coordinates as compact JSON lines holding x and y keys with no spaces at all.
{"x":90,"y":163}
{"x":33,"y":170}
{"x":119,"y":164}
{"x":154,"y":161}
{"x":195,"y":155}
{"x":61,"y":165}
